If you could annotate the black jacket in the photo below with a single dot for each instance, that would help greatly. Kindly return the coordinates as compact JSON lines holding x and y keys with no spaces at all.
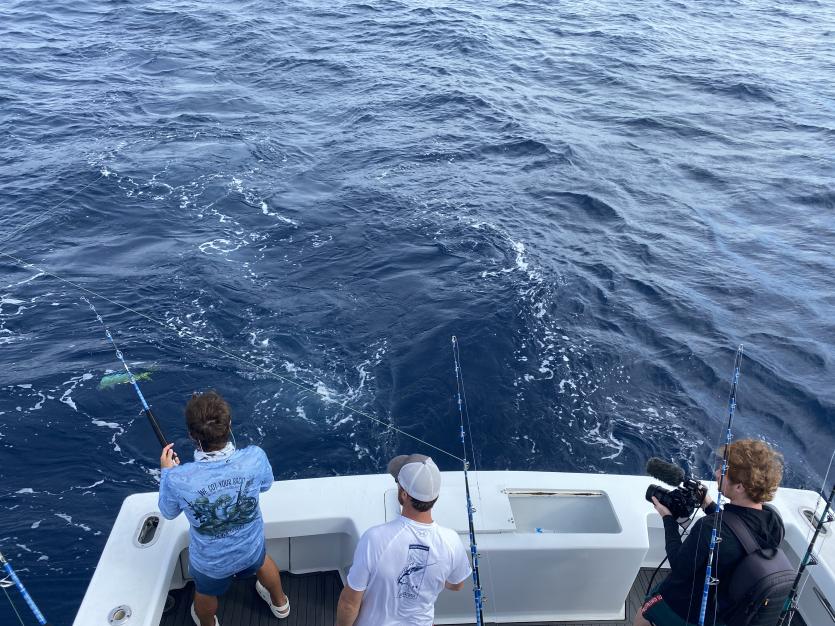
{"x":682,"y":589}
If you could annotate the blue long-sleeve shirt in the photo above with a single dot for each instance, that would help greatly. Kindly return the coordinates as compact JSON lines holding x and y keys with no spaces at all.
{"x":220,"y":500}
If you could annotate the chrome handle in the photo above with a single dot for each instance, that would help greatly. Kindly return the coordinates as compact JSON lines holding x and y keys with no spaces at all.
{"x":825,"y":603}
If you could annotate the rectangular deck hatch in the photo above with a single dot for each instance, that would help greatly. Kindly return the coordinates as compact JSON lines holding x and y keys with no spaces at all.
{"x":562,"y":511}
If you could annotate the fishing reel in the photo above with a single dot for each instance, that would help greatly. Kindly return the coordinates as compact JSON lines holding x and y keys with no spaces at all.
{"x":688,"y":494}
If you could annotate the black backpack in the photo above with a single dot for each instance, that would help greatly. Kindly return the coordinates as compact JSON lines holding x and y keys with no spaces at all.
{"x":760,"y":583}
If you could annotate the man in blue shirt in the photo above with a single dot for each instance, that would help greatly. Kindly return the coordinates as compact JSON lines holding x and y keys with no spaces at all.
{"x":219,"y":495}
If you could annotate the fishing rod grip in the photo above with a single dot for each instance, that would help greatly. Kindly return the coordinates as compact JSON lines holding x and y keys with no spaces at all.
{"x":155,"y":425}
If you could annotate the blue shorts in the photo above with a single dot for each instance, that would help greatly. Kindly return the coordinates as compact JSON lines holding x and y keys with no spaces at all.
{"x":209,"y":586}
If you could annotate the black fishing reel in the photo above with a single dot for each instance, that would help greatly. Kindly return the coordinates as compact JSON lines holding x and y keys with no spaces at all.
{"x":685,"y":498}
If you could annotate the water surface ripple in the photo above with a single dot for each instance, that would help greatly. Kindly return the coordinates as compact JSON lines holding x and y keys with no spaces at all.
{"x":601,"y":200}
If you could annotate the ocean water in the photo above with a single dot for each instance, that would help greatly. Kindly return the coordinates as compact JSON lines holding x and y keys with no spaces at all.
{"x":299,"y":203}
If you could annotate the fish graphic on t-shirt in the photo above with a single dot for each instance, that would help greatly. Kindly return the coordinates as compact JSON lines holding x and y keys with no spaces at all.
{"x":411,"y":578}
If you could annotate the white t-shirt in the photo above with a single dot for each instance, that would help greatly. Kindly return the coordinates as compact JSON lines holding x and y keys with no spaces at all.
{"x":402,"y":567}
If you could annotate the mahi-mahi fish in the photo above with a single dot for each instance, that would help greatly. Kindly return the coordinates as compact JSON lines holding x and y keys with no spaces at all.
{"x":111,"y":380}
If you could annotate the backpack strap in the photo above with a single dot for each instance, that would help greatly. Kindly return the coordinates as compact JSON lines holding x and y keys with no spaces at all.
{"x":741,"y":531}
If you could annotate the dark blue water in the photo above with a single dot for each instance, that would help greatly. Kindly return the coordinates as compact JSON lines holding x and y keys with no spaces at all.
{"x":600,"y":199}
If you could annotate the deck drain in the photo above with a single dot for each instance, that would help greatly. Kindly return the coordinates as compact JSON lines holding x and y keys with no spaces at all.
{"x":118,"y":616}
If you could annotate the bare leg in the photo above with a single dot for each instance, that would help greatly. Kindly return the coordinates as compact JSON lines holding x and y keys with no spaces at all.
{"x":268,"y":575}
{"x":640,"y":620}
{"x":205,"y":607}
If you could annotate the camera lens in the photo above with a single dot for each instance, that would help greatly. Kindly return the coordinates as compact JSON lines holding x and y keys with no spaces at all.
{"x":657,"y":491}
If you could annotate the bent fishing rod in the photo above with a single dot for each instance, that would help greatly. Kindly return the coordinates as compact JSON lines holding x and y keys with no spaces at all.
{"x":477,"y":596}
{"x":790,"y":607}
{"x":717,"y":520}
{"x":11,"y":575}
{"x":145,"y":408}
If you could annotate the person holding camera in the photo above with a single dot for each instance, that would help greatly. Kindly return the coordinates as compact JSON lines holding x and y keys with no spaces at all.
{"x":753,"y":476}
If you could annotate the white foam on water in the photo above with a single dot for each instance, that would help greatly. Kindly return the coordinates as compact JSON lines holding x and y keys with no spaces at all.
{"x":25,"y":280}
{"x":254,"y":341}
{"x":317,"y":242}
{"x":220,"y":245}
{"x":25,"y":490}
{"x":36,"y":524}
{"x":266,"y":211}
{"x":68,"y":519}
{"x":607,"y":440}
{"x":95,"y":484}
{"x":74,"y":382}
{"x":328,"y":395}
{"x":67,"y":399}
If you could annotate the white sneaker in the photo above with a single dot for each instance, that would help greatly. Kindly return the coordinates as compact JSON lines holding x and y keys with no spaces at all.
{"x":281,"y":612}
{"x":197,"y":619}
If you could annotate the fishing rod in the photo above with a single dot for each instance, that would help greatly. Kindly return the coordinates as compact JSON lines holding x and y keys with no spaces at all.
{"x":790,"y":607}
{"x":477,"y":596}
{"x":208,"y":345}
{"x":145,"y":408}
{"x":13,"y":576}
{"x":717,"y":520}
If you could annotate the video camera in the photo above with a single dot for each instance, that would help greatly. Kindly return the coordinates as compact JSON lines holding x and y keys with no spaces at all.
{"x":687,"y":495}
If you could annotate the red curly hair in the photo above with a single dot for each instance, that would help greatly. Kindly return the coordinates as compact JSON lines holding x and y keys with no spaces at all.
{"x":756,"y":465}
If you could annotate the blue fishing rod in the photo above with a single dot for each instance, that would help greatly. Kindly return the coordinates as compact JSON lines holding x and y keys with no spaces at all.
{"x":459,"y":381}
{"x":145,"y":408}
{"x":717,"y":519}
{"x":13,"y":577}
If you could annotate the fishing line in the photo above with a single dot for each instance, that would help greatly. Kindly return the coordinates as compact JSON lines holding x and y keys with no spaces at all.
{"x":23,"y":592}
{"x":206,"y":344}
{"x":149,"y":414}
{"x":43,"y":217}
{"x":11,"y":602}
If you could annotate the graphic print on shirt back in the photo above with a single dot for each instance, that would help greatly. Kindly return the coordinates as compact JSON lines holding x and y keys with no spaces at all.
{"x":219,"y":517}
{"x":411,"y":578}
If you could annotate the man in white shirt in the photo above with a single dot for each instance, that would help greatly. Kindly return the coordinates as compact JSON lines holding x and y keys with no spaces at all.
{"x":400,"y":567}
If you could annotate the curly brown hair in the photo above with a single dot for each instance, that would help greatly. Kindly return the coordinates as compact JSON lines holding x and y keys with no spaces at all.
{"x":209,"y":420}
{"x":756,"y":465}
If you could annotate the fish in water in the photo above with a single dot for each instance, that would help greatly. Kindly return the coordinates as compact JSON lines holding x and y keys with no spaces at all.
{"x":111,"y":380}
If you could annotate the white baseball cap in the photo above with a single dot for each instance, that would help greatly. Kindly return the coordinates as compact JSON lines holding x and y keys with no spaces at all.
{"x":418,"y":475}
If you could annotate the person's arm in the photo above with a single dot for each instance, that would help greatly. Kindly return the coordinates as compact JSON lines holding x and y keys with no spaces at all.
{"x":350,"y":601}
{"x":169,"y":505}
{"x":681,"y":554}
{"x":267,"y":477}
{"x":709,"y":506}
{"x":461,"y":569}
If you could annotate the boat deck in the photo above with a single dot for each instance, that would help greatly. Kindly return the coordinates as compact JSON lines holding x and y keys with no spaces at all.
{"x":313,"y":599}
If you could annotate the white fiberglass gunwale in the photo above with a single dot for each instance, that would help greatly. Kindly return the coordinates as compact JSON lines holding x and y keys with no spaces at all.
{"x":554,"y":546}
